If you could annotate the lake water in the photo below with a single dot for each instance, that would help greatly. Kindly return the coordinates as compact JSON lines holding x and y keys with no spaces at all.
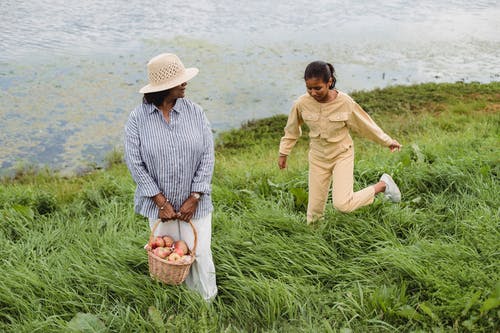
{"x":70,"y":70}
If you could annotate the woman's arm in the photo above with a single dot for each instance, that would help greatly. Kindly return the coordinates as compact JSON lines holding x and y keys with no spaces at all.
{"x":203,"y":176}
{"x":146,"y":185}
{"x":201,"y":183}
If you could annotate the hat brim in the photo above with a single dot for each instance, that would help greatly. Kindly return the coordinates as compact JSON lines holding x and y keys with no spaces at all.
{"x":188,"y":74}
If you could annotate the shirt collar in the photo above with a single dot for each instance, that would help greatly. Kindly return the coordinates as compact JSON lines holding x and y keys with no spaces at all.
{"x":150,"y":108}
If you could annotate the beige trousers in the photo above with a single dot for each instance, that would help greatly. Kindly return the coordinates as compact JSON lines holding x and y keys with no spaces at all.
{"x":339,"y":171}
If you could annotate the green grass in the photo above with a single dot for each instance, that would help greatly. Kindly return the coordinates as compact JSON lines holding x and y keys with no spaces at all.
{"x":72,"y":257}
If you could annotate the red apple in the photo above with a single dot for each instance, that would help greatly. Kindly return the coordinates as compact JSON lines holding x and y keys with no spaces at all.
{"x":181,"y":247}
{"x":168,"y":240}
{"x":174,"y":257}
{"x":162,"y":252}
{"x":186,"y":259}
{"x":157,"y":242}
{"x":155,"y":251}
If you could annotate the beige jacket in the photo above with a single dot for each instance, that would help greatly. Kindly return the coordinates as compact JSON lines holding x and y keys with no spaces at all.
{"x":329,"y":125}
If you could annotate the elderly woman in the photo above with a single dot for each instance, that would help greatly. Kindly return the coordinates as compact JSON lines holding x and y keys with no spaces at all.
{"x":169,"y":151}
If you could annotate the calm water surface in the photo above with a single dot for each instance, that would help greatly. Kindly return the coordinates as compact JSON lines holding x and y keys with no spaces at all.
{"x":70,"y":70}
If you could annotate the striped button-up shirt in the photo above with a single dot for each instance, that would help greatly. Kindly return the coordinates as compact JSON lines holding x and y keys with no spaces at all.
{"x":174,"y":158}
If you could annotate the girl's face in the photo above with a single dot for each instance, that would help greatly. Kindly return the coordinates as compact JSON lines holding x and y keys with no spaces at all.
{"x":318,"y":89}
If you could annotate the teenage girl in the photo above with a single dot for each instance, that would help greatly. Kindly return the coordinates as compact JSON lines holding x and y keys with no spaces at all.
{"x":330,"y":114}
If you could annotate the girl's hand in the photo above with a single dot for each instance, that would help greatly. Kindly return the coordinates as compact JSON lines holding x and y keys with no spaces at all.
{"x":282,"y":161}
{"x":395,"y":146}
{"x":187,"y":209}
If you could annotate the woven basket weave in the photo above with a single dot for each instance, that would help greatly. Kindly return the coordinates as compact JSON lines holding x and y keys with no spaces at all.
{"x":170,"y":272}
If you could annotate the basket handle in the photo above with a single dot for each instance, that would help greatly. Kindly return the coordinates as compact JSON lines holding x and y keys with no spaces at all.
{"x":157,"y":223}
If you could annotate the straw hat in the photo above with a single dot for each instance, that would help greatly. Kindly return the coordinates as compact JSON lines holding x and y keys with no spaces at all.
{"x":166,"y":71}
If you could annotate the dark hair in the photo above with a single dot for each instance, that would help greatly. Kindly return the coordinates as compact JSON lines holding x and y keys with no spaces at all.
{"x":322,"y":70}
{"x":156,"y":97}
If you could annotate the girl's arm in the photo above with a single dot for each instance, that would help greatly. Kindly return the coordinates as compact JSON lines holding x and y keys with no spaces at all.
{"x":360,"y":122}
{"x":292,"y":131}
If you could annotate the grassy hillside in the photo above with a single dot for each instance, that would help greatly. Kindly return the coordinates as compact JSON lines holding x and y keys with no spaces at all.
{"x":72,"y":257}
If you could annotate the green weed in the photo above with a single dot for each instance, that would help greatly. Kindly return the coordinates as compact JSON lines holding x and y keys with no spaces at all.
{"x":72,"y":256}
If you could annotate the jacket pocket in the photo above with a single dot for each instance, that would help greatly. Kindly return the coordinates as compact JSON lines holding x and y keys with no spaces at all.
{"x":312,"y":121}
{"x":337,"y":128}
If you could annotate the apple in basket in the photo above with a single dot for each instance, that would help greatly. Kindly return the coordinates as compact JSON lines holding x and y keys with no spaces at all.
{"x":157,"y":242}
{"x":169,"y":241}
{"x":186,"y":259}
{"x":174,"y":256}
{"x":162,"y":252}
{"x":180,"y":247}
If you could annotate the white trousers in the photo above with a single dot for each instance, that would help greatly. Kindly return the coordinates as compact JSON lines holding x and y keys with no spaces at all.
{"x":202,"y":273}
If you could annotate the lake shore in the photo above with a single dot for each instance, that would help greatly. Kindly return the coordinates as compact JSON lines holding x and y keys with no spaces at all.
{"x":73,"y":256}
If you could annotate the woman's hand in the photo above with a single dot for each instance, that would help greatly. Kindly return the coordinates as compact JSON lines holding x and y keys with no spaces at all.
{"x":395,"y":146}
{"x":188,"y":209}
{"x":165,"y":209}
{"x":282,"y":161}
{"x":167,"y":213}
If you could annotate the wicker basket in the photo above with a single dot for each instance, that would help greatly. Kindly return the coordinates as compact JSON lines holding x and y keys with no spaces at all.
{"x":170,"y":272}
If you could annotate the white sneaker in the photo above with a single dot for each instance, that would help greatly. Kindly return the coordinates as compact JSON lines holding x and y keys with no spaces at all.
{"x":392,"y":192}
